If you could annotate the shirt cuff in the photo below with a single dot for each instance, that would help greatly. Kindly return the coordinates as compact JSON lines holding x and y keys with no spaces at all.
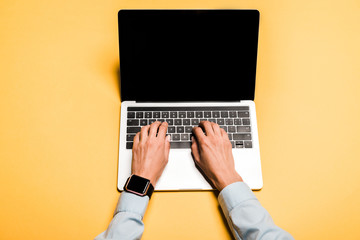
{"x":233,"y":195}
{"x":129,"y":202}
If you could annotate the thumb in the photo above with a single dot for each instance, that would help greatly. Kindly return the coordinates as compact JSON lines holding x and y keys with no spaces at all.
{"x":167,"y":146}
{"x":195,"y":150}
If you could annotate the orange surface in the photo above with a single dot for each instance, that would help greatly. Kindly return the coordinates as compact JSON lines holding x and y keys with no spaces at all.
{"x":60,"y":103}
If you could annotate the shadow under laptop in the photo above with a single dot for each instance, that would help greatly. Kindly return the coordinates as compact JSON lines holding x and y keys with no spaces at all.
{"x":118,"y":78}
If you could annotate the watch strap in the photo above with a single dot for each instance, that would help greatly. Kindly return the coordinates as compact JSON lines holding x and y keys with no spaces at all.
{"x":150,"y":190}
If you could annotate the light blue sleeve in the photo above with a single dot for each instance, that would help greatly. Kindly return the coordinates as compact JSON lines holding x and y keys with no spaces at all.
{"x":245,"y":215}
{"x":127,"y":221}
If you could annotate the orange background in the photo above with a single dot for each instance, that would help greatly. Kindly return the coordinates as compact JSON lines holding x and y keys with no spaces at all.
{"x":60,"y":103}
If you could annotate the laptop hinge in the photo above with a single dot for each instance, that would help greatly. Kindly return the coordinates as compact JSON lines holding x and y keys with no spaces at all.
{"x":236,"y":101}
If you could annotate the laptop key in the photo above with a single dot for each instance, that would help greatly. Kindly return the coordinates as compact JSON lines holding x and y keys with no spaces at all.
{"x":237,"y":121}
{"x":185,"y":137}
{"x":190,"y":114}
{"x":232,"y":114}
{"x":171,"y":129}
{"x":156,"y":115}
{"x":175,"y":137}
{"x":139,"y":115}
{"x":224,"y":127}
{"x":246,"y":121}
{"x":148,"y":114}
{"x":178,"y":122}
{"x":229,"y":121}
{"x":199,"y":115}
{"x":182,"y":114}
{"x":220,"y":121}
{"x":132,"y":122}
{"x":143,"y":122}
{"x":180,"y":129}
{"x":215,"y":114}
{"x":243,"y":114}
{"x":231,"y":129}
{"x":240,"y":136}
{"x":239,"y":144}
{"x":186,"y":122}
{"x":131,"y":114}
{"x":173,"y":114}
{"x":188,"y":129}
{"x":207,"y":114}
{"x":243,"y":129}
{"x":133,"y":129}
{"x":195,"y":122}
{"x":130,"y":137}
{"x":129,"y":145}
{"x":224,"y":114}
{"x":165,"y":114}
{"x":248,"y":144}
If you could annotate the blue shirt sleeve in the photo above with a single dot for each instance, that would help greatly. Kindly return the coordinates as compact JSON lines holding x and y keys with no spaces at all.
{"x":127,"y":221}
{"x":245,"y":215}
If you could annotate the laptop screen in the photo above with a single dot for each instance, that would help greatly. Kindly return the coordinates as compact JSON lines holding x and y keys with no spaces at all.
{"x":188,"y":55}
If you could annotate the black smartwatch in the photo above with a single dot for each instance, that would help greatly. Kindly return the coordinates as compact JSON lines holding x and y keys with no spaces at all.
{"x":139,"y":186}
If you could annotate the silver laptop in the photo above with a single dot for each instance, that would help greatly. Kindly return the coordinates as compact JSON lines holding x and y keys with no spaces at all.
{"x":183,"y":67}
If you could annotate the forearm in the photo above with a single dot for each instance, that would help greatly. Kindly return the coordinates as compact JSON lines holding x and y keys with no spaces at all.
{"x":245,"y":215}
{"x":127,"y":221}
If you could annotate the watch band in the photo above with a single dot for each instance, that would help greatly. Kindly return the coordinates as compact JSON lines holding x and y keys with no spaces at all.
{"x":150,"y":190}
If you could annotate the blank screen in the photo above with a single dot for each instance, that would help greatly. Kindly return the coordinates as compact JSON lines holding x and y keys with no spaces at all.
{"x":188,"y":55}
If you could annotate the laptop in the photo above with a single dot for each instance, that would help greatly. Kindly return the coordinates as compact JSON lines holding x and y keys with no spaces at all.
{"x":183,"y":67}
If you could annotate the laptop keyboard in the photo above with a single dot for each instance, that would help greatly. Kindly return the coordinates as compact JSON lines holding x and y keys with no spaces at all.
{"x":235,"y":120}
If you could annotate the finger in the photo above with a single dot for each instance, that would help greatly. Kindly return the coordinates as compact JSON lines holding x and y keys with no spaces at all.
{"x":167,"y":146}
{"x":162,"y":130}
{"x":144,"y":133}
{"x":216,"y":129}
{"x":224,"y":134}
{"x":136,"y":140}
{"x":206,"y":125}
{"x":199,"y":134}
{"x":195,"y":150}
{"x":154,"y":129}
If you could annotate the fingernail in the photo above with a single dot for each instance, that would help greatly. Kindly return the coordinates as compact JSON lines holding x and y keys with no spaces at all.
{"x":168,"y":138}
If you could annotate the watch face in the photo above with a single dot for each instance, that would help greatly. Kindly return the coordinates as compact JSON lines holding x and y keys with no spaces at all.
{"x":138,"y":184}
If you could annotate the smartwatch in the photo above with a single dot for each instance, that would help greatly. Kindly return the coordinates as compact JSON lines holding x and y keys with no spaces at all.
{"x":139,"y":186}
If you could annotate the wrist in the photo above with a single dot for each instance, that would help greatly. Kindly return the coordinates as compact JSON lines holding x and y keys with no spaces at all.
{"x":223,"y":181}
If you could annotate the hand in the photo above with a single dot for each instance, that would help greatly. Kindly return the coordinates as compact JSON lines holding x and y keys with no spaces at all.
{"x":213,"y":154}
{"x":151,"y":151}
